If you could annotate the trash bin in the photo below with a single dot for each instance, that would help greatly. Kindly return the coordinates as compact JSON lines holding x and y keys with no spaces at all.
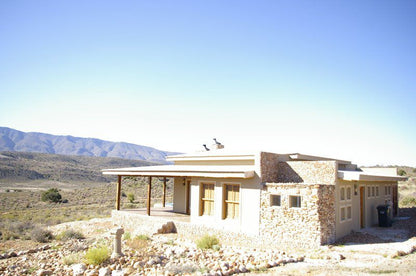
{"x":384,"y":216}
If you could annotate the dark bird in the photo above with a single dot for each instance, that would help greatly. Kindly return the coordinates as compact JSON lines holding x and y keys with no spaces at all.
{"x":216,"y":142}
{"x":205,"y":146}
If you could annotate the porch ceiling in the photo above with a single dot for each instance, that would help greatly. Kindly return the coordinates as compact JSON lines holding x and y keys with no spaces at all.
{"x":357,"y":175}
{"x":181,"y":170}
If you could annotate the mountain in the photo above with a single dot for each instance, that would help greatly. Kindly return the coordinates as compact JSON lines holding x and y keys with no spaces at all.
{"x":15,"y":140}
{"x":27,"y":166}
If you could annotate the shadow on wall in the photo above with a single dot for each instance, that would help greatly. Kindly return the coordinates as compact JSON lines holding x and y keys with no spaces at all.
{"x":287,"y":174}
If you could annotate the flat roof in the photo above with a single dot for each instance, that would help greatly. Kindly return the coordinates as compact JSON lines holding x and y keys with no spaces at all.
{"x":365,"y":176}
{"x":181,"y":170}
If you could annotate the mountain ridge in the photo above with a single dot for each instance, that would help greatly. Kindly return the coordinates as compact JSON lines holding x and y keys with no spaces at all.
{"x":16,"y":140}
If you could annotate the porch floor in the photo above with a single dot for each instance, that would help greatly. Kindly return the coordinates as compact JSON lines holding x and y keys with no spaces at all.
{"x":161,"y":212}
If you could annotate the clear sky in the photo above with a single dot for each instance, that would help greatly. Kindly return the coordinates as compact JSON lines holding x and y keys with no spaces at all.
{"x":331,"y":78}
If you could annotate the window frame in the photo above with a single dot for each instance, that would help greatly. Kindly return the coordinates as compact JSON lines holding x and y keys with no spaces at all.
{"x":202,"y":200}
{"x":224,"y":200}
{"x":271,"y":200}
{"x":298,"y":201}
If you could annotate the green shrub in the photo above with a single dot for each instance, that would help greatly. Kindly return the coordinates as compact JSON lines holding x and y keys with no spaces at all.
{"x":401,"y":172}
{"x":408,"y":201}
{"x":127,"y":236}
{"x":41,"y":235}
{"x":142,"y":237}
{"x":97,"y":255}
{"x":51,"y":195}
{"x":130,"y":197}
{"x":207,"y":242}
{"x":70,"y":235}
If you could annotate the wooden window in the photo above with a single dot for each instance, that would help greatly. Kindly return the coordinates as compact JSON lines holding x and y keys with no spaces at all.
{"x":342,"y":213}
{"x":231,"y":208}
{"x":349,"y":212}
{"x":342,"y":193}
{"x":348,"y":193}
{"x":207,"y":199}
{"x":295,"y":201}
{"x":275,"y":200}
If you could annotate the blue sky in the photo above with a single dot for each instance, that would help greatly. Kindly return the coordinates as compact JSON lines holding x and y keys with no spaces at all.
{"x":327,"y":78}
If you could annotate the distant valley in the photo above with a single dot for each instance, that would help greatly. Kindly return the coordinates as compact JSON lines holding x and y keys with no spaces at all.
{"x":15,"y":140}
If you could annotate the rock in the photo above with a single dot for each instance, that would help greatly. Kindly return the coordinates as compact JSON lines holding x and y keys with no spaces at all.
{"x":12,"y":254}
{"x":92,"y":272}
{"x":78,"y":269}
{"x":44,"y":272}
{"x":117,"y":273}
{"x":338,"y":257}
{"x":105,"y":271}
{"x":242,"y":269}
{"x":167,"y":228}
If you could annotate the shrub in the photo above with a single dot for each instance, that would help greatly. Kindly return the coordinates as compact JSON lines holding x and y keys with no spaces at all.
{"x":72,"y":259}
{"x":41,"y":235}
{"x":127,"y":236}
{"x":51,"y":195}
{"x":130,"y":197}
{"x":207,"y":242}
{"x":97,"y":255}
{"x":138,"y":242}
{"x":408,"y":201}
{"x":401,"y":172}
{"x":70,"y":235}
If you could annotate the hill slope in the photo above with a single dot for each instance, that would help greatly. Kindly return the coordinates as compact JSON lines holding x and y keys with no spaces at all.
{"x":23,"y":166}
{"x":14,"y":140}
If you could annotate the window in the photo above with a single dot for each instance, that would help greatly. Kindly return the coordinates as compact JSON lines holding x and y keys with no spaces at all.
{"x":295,"y":201}
{"x":377,"y":192}
{"x":349,"y":211}
{"x":342,"y":214}
{"x":275,"y":200}
{"x":207,"y":199}
{"x":368,"y":191}
{"x":348,"y":193}
{"x":385,"y":190}
{"x":373,"y":191}
{"x":342,"y":193}
{"x":231,"y":201}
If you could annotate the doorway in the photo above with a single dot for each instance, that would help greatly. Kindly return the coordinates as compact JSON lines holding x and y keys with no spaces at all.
{"x":188,"y":197}
{"x":362,"y":203}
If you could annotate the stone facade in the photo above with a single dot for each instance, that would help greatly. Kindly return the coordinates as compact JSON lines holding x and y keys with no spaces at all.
{"x":269,"y":166}
{"x":308,"y":226}
{"x":310,"y":172}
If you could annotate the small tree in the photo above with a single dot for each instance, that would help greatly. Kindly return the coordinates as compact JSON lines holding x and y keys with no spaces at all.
{"x":401,"y":172}
{"x":51,"y":195}
{"x":130,"y":197}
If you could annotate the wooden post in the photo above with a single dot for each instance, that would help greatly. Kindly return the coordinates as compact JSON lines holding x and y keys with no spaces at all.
{"x":118,"y":196}
{"x":149,"y":195}
{"x":164,"y":192}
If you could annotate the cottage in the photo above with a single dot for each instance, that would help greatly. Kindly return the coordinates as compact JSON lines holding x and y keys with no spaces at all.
{"x":275,"y":199}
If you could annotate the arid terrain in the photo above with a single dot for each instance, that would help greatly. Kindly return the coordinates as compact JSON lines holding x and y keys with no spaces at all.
{"x":45,"y":238}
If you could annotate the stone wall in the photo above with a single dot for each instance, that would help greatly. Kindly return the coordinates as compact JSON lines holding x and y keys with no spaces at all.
{"x":309,"y":226}
{"x":269,"y":166}
{"x":322,"y":172}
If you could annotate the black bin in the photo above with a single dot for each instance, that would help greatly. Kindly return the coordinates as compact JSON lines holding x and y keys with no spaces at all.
{"x":384,"y":216}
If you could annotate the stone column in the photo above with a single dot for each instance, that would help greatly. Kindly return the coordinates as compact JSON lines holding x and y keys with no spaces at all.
{"x":117,"y":232}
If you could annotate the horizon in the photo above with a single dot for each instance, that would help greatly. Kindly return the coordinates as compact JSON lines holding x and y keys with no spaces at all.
{"x":324,"y":78}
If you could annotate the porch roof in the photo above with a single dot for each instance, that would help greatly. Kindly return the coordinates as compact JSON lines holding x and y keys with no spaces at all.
{"x":365,"y":176}
{"x":182,"y":170}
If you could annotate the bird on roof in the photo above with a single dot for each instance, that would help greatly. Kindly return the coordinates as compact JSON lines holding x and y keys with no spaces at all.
{"x":205,"y":146}
{"x":216,"y":142}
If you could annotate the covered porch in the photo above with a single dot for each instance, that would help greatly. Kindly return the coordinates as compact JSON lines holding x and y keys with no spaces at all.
{"x":180,"y":173}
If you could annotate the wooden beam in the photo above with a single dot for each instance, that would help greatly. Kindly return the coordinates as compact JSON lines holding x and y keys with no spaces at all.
{"x":118,"y":196}
{"x":149,"y":195}
{"x":164,"y":192}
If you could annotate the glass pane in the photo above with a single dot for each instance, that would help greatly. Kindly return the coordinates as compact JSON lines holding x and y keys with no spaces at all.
{"x":349,"y":212}
{"x":348,"y":193}
{"x":342,"y":193}
{"x":342,"y":213}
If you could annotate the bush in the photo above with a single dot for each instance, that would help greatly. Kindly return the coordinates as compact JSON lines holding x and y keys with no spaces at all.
{"x":72,"y":259}
{"x":401,"y":172}
{"x":70,"y":235}
{"x":208,"y":242}
{"x":52,"y":195}
{"x":41,"y":235}
{"x":408,"y":201}
{"x":97,"y":255}
{"x":138,"y":242}
{"x":130,"y":197}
